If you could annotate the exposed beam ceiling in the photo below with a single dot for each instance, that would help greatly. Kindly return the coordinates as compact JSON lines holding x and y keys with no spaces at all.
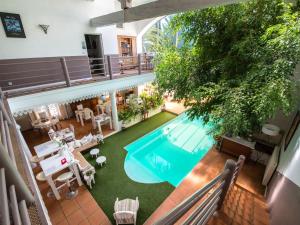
{"x":155,"y":9}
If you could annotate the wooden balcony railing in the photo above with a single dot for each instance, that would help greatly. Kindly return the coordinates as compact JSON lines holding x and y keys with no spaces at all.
{"x":20,"y":76}
{"x":207,"y":200}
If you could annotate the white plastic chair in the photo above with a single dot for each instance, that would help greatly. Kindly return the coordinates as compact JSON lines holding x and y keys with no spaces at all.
{"x":51,"y":134}
{"x":43,"y":116}
{"x":88,"y":173}
{"x":126,"y":211}
{"x":80,"y":107}
{"x":87,"y":114}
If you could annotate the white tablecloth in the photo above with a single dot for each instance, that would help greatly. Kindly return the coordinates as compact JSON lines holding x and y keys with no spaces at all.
{"x":46,"y":148}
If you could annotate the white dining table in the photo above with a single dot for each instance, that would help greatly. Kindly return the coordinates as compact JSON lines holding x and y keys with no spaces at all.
{"x":103,"y":119}
{"x":53,"y":165}
{"x":65,"y":134}
{"x":46,"y":148}
{"x":38,"y":124}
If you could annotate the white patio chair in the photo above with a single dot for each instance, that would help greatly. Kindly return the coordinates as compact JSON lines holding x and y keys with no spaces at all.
{"x":72,"y":128}
{"x":51,"y":134}
{"x":87,"y":114}
{"x":80,"y":107}
{"x":126,"y":211}
{"x":43,"y":116}
{"x":88,"y":173}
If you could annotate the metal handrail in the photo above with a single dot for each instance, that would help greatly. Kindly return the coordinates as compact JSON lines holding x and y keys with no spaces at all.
{"x":210,"y":202}
{"x":15,"y":195}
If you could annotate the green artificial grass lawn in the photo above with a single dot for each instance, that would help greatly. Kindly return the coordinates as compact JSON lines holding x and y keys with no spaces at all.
{"x":111,"y":179}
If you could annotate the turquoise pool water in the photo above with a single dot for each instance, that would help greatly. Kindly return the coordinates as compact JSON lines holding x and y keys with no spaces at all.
{"x":170,"y":152}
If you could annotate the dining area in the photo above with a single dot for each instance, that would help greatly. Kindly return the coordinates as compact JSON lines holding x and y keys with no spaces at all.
{"x":57,"y":156}
{"x":59,"y":163}
{"x":64,"y":174}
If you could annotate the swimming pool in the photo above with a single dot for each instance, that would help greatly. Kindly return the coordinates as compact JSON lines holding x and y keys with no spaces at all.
{"x":170,"y":152}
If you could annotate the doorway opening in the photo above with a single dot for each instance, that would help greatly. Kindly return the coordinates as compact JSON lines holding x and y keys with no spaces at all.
{"x":95,"y":52}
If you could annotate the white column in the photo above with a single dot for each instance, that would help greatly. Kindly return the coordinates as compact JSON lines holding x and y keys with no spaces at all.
{"x":114,"y":110}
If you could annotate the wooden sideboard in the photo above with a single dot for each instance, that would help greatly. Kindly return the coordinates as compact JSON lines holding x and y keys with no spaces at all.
{"x":236,"y":147}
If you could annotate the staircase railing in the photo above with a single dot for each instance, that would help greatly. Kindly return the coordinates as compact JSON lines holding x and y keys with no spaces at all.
{"x":15,"y":195}
{"x":206,"y":200}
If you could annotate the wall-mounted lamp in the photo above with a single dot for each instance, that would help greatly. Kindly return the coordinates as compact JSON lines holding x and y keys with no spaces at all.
{"x":44,"y":27}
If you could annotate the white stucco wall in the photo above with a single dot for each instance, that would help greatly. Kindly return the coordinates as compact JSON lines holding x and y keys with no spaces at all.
{"x":68,"y":20}
{"x":289,"y":164}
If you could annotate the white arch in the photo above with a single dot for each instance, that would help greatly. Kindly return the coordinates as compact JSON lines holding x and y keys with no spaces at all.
{"x":139,"y":37}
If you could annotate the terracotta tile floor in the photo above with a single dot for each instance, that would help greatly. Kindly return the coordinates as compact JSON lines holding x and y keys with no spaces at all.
{"x":208,"y":168}
{"x":242,"y":207}
{"x":83,"y":209}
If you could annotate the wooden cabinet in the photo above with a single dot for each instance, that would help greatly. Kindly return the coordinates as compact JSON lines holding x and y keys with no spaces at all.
{"x":235,"y":148}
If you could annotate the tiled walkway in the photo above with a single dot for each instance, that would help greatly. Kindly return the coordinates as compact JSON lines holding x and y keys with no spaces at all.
{"x":242,"y":207}
{"x":82,"y":210}
{"x":208,"y":168}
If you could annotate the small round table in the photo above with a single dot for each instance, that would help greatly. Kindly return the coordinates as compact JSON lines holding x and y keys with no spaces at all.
{"x":100,"y":160}
{"x":94,"y":152}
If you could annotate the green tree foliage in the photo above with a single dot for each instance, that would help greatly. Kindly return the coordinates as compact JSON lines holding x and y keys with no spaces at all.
{"x":237,"y":64}
{"x":159,"y":36}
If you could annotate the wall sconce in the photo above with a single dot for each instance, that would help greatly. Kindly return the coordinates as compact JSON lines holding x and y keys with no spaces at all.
{"x":44,"y":27}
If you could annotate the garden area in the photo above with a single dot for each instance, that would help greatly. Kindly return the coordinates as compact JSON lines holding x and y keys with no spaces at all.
{"x":112,"y":181}
{"x":138,"y":109}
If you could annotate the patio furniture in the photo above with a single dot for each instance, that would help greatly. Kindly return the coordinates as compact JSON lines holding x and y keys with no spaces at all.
{"x":101,"y":120}
{"x":94,"y":152}
{"x":100,"y":108}
{"x":72,"y":128}
{"x":84,"y":114}
{"x":80,"y":107}
{"x":35,"y":159}
{"x":99,"y":138}
{"x":57,"y":163}
{"x":43,"y":116}
{"x":88,"y":175}
{"x":126,"y":211}
{"x":65,"y":135}
{"x":46,"y":149}
{"x":101,"y":160}
{"x":67,"y":178}
{"x":41,"y":176}
{"x":47,"y":124}
{"x":51,"y":134}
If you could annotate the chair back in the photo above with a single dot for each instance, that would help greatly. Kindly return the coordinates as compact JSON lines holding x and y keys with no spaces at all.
{"x":51,"y":134}
{"x":43,"y":115}
{"x":72,"y":128}
{"x":108,"y":109}
{"x":80,"y":107}
{"x":87,"y":114}
{"x":124,"y":217}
